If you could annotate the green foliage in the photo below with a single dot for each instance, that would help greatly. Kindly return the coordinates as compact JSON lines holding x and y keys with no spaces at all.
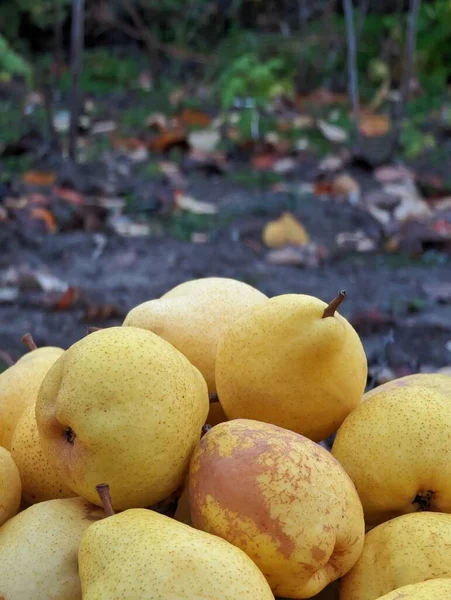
{"x":249,"y":78}
{"x":11,"y":63}
{"x":40,"y":13}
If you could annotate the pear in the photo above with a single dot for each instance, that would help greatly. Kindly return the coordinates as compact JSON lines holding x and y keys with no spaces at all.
{"x":122,"y":405}
{"x":39,"y":549}
{"x":433,"y":589}
{"x":282,"y":499}
{"x":294,"y":362}
{"x":194,"y":315}
{"x":142,"y":555}
{"x":19,"y":387}
{"x":402,"y":551}
{"x":434,"y":381}
{"x":40,"y":480}
{"x":395,"y":448}
{"x":10,"y":487}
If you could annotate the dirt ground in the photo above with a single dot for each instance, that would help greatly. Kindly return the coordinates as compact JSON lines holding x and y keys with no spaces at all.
{"x":388,"y":296}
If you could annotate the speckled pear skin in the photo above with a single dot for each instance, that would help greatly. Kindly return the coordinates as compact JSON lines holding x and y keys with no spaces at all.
{"x":284,"y":364}
{"x":142,"y":555}
{"x":395,"y":447}
{"x":19,"y":387}
{"x":434,"y":589}
{"x":40,"y":481}
{"x":282,"y":499}
{"x":39,"y":548}
{"x":403,"y":551}
{"x":194,"y":316}
{"x":10,"y":486}
{"x":434,"y":381}
{"x":124,"y":406}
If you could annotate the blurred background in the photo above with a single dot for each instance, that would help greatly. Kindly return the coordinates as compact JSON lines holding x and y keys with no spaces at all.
{"x":301,"y":146}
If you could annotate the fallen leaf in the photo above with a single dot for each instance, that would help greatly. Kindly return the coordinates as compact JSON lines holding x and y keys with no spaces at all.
{"x":192,"y":205}
{"x":373,"y":125}
{"x":44,"y":215}
{"x":346,"y":186}
{"x":210,"y":162}
{"x":168,"y":140}
{"x":172,"y":172}
{"x":39,"y":178}
{"x":123,"y":225}
{"x":68,"y":299}
{"x":310,"y":255}
{"x":205,"y":140}
{"x":438,"y":291}
{"x":331,"y":163}
{"x":139,"y":155}
{"x":283,"y":231}
{"x":102,"y":312}
{"x":8,"y":294}
{"x":264,"y":162}
{"x":102,"y":127}
{"x":284,"y":165}
{"x":127,"y":143}
{"x":393,"y":173}
{"x":333,"y":133}
{"x":356,"y":241}
{"x":192,"y":117}
{"x":157,"y":121}
{"x":70,"y":196}
{"x":411,"y":204}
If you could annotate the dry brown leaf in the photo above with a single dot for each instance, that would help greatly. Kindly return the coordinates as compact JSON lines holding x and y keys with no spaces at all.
{"x":169,"y":139}
{"x":194,"y":206}
{"x":157,"y":121}
{"x":346,"y":186}
{"x":44,"y":215}
{"x":39,"y":178}
{"x":68,"y":299}
{"x":284,"y":231}
{"x":373,"y":125}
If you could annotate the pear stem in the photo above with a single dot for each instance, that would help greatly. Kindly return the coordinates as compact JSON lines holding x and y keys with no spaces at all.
{"x":28,"y":340}
{"x":103,"y":489}
{"x":329,"y":311}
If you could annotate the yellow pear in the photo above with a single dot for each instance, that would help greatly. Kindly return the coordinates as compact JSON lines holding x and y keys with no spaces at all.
{"x":434,"y":381}
{"x":405,"y":550}
{"x":433,"y":589}
{"x":282,"y":499}
{"x":395,"y":448}
{"x":40,"y":480}
{"x":19,"y":387}
{"x":194,"y":316}
{"x":10,"y":487}
{"x":122,"y":405}
{"x":285,"y":230}
{"x":294,"y":362}
{"x":142,"y":555}
{"x":39,"y":549}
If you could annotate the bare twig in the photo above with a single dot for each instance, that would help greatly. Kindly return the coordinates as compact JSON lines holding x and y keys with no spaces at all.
{"x":364,"y":5}
{"x":77,"y":42}
{"x":353,"y":82}
{"x":409,"y":60}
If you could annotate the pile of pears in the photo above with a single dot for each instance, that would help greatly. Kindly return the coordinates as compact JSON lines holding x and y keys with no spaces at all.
{"x":181,"y":456}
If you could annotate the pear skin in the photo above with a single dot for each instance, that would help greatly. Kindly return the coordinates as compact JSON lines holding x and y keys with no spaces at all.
{"x":19,"y":387}
{"x":39,"y":548}
{"x":395,"y":448}
{"x":194,"y":315}
{"x":142,"y":555}
{"x":403,"y":551}
{"x":282,"y":499}
{"x":40,"y":481}
{"x":122,"y":405}
{"x":433,"y":589}
{"x":284,"y":363}
{"x":10,"y":487}
{"x":435,"y":381}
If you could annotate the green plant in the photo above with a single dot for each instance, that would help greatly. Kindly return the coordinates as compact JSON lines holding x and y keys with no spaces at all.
{"x":12,"y":63}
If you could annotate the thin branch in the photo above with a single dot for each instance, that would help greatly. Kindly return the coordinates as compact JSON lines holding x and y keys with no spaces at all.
{"x":353,"y":82}
{"x":364,"y":5}
{"x":409,"y":61}
{"x":77,"y":43}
